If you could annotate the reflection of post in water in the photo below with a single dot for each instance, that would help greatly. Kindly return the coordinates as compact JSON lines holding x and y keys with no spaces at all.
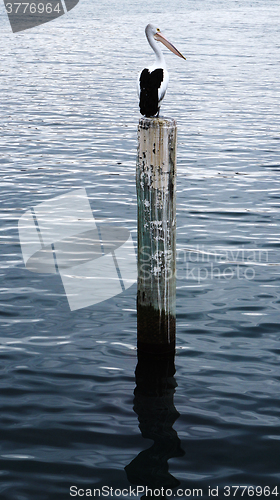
{"x":154,"y":405}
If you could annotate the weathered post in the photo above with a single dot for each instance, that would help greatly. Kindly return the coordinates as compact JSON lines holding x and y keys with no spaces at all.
{"x":156,"y":199}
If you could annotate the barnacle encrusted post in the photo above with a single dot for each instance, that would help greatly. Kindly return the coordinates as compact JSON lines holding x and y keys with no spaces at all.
{"x":156,"y":198}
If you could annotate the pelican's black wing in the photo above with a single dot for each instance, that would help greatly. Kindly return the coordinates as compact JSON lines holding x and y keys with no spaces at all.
{"x":149,"y":85}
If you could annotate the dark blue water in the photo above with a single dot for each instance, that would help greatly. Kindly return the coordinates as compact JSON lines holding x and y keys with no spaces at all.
{"x":73,"y":412}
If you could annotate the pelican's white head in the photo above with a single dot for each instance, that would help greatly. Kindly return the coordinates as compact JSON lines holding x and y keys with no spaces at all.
{"x":151,"y":30}
{"x":154,"y":33}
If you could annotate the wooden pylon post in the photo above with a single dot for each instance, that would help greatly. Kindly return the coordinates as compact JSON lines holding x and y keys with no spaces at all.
{"x":156,"y":199}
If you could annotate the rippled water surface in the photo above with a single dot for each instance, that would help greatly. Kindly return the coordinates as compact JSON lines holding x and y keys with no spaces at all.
{"x":71,"y":413}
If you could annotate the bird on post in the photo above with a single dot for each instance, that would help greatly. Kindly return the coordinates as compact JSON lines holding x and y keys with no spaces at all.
{"x":153,"y":81}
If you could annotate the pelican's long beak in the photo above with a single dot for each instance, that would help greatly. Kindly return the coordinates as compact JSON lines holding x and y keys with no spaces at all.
{"x":161,"y":38}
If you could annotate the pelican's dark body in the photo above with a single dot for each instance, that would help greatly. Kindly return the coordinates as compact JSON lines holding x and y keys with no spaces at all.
{"x":150,"y":83}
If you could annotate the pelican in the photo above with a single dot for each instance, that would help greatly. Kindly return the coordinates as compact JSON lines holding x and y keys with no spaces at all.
{"x":153,"y":81}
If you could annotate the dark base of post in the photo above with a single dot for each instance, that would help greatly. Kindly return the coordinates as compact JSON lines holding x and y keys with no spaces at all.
{"x":156,"y":349}
{"x":156,"y":330}
{"x":152,"y":369}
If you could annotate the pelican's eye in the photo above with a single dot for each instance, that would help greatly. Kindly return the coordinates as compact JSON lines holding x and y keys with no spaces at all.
{"x":158,"y":29}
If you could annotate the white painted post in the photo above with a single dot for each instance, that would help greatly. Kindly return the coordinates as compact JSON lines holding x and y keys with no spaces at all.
{"x":156,"y":198}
